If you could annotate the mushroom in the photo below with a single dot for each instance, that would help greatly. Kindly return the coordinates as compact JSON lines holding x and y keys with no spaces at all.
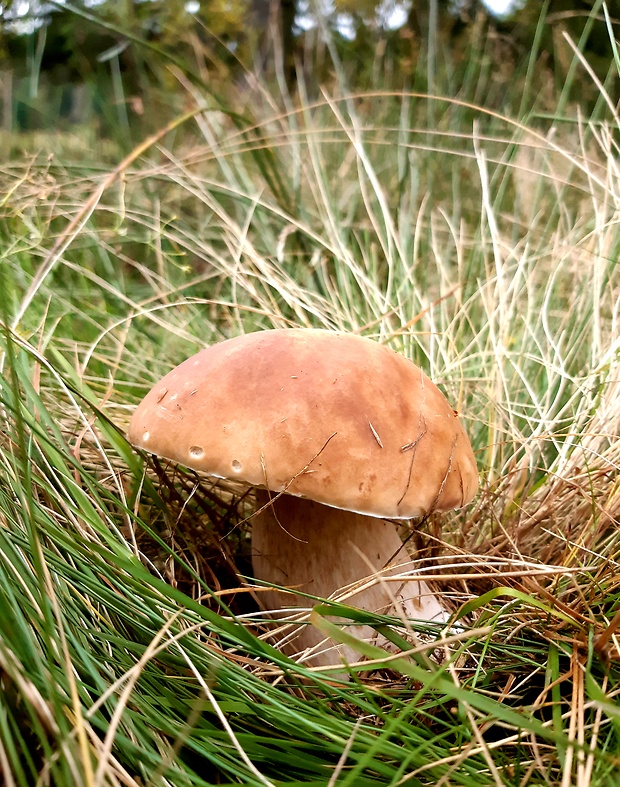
{"x":340,"y":435}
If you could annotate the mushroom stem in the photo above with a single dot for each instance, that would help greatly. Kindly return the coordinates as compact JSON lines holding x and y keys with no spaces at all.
{"x":320,"y":550}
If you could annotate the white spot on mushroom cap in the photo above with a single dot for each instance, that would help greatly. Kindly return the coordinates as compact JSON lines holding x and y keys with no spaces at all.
{"x":145,"y":437}
{"x":196,"y":451}
{"x":236,"y":466}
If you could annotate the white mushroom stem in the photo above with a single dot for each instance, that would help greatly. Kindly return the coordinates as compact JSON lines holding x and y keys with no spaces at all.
{"x":319,"y":550}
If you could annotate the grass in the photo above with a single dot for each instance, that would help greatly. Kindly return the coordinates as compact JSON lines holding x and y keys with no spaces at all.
{"x":484,"y":247}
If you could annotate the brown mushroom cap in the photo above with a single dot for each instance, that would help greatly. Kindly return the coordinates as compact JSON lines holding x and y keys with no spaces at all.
{"x":329,"y":416}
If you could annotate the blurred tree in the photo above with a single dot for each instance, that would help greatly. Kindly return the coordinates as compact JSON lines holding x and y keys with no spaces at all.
{"x":270,"y":30}
{"x":448,"y":13}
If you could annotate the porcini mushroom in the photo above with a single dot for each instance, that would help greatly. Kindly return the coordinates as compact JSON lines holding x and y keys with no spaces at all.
{"x":340,"y":435}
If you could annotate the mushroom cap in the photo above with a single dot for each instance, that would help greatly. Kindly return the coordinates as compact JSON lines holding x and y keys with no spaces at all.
{"x":333,"y":417}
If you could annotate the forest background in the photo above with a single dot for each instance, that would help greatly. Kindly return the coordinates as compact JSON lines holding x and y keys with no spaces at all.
{"x":110,"y":63}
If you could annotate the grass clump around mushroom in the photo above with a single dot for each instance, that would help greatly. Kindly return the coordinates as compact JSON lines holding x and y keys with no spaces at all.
{"x":132,"y":647}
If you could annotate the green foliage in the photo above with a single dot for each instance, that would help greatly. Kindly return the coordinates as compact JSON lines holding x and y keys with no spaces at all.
{"x":482,"y":245}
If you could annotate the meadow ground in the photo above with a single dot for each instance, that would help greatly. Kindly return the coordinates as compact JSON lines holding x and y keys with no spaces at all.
{"x":485,"y":248}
